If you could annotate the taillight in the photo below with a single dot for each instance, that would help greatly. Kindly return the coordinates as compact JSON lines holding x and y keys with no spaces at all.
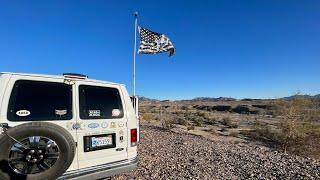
{"x":134,"y":137}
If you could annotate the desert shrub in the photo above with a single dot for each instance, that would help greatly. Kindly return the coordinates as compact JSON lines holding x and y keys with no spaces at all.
{"x":234,"y":125}
{"x":189,"y":116}
{"x":264,"y":132}
{"x":154,"y":111}
{"x":198,"y":121}
{"x":147,"y":117}
{"x":201,"y":114}
{"x":299,"y":129}
{"x":167,"y":124}
{"x":210,"y":121}
{"x":190,"y":128}
{"x":185,"y":108}
{"x":182,"y":121}
{"x":227,"y":122}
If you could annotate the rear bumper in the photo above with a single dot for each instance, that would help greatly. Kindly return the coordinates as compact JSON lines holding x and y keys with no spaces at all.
{"x":102,"y":171}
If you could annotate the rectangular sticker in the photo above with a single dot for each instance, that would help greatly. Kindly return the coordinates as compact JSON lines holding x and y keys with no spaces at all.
{"x":94,"y":113}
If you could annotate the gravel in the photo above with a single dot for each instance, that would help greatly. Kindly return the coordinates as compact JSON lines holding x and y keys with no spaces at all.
{"x":168,"y":155}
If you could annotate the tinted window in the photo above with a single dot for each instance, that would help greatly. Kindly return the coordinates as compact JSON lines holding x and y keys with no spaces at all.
{"x":99,"y":102}
{"x":36,"y":100}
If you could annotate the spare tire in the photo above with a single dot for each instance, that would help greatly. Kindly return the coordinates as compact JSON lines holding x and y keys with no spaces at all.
{"x":47,"y":152}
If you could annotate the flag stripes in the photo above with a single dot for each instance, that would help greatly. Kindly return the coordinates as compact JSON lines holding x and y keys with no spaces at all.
{"x":153,"y":43}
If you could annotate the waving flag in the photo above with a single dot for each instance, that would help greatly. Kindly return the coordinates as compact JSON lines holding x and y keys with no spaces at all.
{"x":153,"y":43}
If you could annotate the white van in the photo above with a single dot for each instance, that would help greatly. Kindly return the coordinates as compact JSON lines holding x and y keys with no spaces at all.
{"x":65,"y":127}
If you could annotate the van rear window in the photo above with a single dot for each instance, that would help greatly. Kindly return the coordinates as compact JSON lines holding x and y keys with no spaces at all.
{"x":38,"y":100}
{"x":99,"y":102}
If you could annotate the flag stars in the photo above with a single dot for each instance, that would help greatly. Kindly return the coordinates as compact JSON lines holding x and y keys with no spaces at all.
{"x":152,"y":42}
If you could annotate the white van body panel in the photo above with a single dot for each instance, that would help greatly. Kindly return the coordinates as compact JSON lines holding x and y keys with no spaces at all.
{"x":84,"y":161}
{"x":106,"y":126}
{"x":6,"y":97}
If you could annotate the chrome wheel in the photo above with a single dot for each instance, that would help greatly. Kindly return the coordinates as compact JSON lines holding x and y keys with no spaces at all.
{"x":37,"y":155}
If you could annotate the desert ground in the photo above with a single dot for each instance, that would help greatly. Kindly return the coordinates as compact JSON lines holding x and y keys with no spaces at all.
{"x":223,"y":139}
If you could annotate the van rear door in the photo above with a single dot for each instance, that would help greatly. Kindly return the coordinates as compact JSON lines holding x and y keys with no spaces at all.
{"x":102,"y":124}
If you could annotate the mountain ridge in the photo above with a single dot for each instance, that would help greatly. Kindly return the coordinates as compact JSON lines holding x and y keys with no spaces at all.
{"x":214,"y":99}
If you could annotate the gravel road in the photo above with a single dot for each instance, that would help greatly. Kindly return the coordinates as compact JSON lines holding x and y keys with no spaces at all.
{"x":168,"y":155}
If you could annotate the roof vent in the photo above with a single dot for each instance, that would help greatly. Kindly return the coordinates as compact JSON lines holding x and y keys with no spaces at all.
{"x":75,"y":76}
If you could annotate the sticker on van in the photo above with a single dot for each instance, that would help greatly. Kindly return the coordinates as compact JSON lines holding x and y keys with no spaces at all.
{"x":94,"y":113}
{"x":93,"y":125}
{"x":113,"y":125}
{"x":61,"y":112}
{"x":23,"y":113}
{"x":115,"y":112}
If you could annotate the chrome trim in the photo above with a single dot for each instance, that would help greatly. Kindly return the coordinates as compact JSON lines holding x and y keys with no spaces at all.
{"x":93,"y":169}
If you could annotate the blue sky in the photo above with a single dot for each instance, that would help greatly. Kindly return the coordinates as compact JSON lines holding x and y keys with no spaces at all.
{"x":247,"y":48}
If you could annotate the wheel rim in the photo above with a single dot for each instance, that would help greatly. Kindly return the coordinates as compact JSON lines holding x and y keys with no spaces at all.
{"x":37,"y":155}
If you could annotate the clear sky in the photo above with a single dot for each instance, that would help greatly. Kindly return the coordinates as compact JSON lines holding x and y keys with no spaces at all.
{"x":247,"y":48}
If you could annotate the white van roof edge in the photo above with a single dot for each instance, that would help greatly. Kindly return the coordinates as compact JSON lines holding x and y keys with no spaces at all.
{"x":59,"y":77}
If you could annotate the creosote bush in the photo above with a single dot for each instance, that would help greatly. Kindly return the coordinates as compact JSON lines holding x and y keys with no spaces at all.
{"x":167,"y":124}
{"x":147,"y":117}
{"x":182,"y":121}
{"x":299,"y":129}
{"x":227,"y":122}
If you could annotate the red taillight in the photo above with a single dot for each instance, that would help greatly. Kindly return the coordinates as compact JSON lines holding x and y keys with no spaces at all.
{"x":134,"y":137}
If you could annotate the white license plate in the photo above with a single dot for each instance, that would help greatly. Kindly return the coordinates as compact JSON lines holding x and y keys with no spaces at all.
{"x":101,"y":141}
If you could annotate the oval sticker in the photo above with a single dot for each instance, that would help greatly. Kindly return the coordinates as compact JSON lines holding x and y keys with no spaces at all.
{"x":23,"y":113}
{"x":93,"y":125}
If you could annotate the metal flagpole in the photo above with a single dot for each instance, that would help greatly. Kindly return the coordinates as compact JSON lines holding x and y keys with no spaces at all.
{"x":135,"y":52}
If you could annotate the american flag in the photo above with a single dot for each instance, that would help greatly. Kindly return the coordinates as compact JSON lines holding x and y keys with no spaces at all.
{"x":153,"y":43}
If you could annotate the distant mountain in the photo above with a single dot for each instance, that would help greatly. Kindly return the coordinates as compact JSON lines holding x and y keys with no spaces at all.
{"x":214,"y":99}
{"x":302,"y":96}
{"x":141,"y":98}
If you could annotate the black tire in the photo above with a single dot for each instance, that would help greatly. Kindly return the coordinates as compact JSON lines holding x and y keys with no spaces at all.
{"x":62,"y":138}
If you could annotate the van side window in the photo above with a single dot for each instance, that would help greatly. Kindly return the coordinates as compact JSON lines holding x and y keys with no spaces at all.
{"x":37,"y":100}
{"x":99,"y":102}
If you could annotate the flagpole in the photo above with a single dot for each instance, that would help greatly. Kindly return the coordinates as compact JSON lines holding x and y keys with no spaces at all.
{"x":135,"y":52}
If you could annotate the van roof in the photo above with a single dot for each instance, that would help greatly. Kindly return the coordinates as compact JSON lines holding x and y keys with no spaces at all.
{"x":58,"y":77}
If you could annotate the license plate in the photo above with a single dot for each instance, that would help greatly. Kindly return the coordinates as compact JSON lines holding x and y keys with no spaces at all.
{"x":101,"y":141}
